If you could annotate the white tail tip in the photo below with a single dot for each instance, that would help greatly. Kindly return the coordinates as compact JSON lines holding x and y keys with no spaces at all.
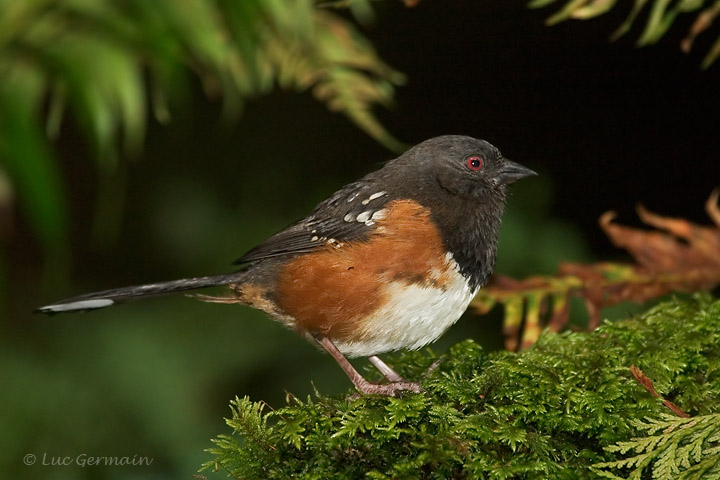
{"x":79,"y":305}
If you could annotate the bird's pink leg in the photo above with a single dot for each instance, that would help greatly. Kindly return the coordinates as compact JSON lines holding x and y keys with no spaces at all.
{"x":359,"y":381}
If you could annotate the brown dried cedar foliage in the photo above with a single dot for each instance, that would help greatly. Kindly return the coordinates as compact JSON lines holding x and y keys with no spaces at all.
{"x":675,"y":256}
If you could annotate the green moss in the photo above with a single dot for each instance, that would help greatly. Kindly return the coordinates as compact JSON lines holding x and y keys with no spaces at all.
{"x":551,"y":411}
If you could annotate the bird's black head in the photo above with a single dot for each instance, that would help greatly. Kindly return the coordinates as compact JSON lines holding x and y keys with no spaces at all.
{"x":465,"y":166}
{"x":463,"y":181}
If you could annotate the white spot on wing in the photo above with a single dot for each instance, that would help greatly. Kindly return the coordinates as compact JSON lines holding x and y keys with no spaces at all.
{"x":379,"y":215}
{"x":373,"y":197}
{"x":334,"y":243}
{"x":349,"y":217}
{"x":364,"y":216}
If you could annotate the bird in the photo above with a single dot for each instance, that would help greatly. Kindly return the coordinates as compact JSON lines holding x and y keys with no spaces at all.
{"x":386,"y":263}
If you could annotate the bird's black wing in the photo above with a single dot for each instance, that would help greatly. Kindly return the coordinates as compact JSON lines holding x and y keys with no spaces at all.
{"x":345,"y":216}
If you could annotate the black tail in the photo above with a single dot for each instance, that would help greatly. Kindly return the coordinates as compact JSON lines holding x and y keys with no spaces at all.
{"x":106,"y":298}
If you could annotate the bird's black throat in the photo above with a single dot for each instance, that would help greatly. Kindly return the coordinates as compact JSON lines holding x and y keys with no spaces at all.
{"x":470,"y":232}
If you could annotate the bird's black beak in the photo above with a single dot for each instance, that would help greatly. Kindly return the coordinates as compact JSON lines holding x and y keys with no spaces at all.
{"x":511,"y":171}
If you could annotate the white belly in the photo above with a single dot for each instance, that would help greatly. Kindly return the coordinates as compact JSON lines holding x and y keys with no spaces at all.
{"x":416,"y":315}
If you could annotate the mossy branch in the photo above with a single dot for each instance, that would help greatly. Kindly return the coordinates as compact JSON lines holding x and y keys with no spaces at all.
{"x":561,"y":409}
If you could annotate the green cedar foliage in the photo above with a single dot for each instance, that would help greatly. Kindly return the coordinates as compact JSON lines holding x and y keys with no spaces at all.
{"x":675,"y":447}
{"x":566,"y":408}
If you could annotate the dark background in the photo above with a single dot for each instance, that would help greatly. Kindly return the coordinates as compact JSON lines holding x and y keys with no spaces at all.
{"x":606,"y":124}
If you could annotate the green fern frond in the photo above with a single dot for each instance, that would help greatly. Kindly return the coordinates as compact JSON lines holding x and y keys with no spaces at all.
{"x":104,"y":62}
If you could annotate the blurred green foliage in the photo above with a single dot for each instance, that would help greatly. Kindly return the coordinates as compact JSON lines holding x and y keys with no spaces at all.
{"x":103,"y":62}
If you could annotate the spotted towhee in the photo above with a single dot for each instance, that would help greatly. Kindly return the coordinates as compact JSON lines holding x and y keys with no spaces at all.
{"x":388,"y":262}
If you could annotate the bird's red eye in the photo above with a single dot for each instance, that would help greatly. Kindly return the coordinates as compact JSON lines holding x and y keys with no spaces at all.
{"x":474,"y":163}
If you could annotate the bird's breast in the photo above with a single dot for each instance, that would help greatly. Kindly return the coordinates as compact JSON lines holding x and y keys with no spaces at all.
{"x":411,"y":316}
